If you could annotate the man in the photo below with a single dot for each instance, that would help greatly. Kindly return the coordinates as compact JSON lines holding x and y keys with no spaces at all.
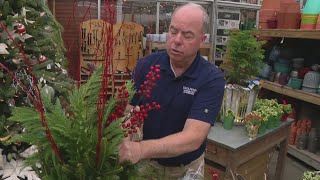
{"x":189,"y":91}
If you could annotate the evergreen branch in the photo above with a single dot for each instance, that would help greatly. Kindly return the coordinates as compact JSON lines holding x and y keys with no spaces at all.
{"x":38,"y":101}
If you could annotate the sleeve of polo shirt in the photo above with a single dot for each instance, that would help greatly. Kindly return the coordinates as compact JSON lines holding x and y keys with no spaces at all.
{"x":208,"y":101}
{"x":138,"y":77}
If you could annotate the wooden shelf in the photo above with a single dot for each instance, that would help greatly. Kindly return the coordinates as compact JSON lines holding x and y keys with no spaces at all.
{"x":289,"y":33}
{"x":298,"y":94}
{"x":305,"y":156}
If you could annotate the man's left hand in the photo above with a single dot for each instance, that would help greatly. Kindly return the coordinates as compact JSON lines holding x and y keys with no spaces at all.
{"x":130,"y":151}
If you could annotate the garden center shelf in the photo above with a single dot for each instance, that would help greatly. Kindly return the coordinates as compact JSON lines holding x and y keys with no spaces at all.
{"x":289,"y":33}
{"x":306,"y":156}
{"x":298,"y":94}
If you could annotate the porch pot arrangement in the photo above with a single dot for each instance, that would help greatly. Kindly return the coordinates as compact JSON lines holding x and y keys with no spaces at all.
{"x":241,"y":63}
{"x":81,"y":142}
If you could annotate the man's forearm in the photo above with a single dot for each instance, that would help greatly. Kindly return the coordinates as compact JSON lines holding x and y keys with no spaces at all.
{"x":170,"y":146}
{"x":188,"y":140}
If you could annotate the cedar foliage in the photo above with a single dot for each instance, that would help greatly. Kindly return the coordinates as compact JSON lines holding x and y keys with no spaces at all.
{"x":76,"y":136}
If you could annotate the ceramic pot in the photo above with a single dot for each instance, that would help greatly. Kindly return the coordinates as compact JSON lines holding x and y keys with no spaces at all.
{"x":311,"y":80}
{"x":228,"y":122}
{"x":289,"y":15}
{"x":266,"y":71}
{"x":318,"y":23}
{"x":295,"y":83}
{"x":302,"y":141}
{"x":313,"y":140}
{"x":274,"y":54}
{"x":294,"y":74}
{"x":308,"y":21}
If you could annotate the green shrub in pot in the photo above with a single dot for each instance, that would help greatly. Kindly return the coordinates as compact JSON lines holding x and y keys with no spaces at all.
{"x":243,"y":56}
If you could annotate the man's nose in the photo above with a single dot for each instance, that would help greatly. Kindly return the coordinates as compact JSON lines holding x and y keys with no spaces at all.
{"x":178,"y":39}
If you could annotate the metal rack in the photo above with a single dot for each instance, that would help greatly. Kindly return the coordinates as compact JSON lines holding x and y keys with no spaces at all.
{"x":213,"y":6}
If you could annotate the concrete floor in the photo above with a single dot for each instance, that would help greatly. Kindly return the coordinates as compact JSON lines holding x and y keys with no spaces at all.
{"x":294,"y":168}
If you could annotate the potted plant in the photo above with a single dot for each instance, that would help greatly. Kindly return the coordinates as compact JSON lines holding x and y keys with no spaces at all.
{"x":228,"y":119}
{"x":83,"y":143}
{"x":252,"y":122}
{"x":311,"y":175}
{"x":241,"y":62}
{"x":243,"y":56}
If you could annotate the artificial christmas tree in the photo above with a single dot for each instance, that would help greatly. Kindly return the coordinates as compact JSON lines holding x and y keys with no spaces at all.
{"x":80,"y":142}
{"x":30,"y":41}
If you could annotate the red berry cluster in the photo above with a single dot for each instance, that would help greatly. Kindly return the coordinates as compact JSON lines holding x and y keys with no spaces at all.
{"x":122,"y":100}
{"x":149,"y":83}
{"x":139,"y":113}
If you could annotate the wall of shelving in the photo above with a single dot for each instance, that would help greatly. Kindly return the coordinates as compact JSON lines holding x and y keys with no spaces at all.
{"x":304,"y":44}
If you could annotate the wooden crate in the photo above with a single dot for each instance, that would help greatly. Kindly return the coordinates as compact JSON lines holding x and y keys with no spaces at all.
{"x":254,"y":169}
{"x":257,"y":167}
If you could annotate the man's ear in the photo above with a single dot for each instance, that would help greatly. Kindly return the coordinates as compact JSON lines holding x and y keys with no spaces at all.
{"x":204,"y":37}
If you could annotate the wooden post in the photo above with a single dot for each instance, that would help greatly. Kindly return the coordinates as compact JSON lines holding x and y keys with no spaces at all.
{"x":282,"y":156}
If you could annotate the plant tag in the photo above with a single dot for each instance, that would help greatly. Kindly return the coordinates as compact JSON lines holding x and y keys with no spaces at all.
{"x":49,"y":66}
{"x":58,"y":65}
{"x":253,"y":83}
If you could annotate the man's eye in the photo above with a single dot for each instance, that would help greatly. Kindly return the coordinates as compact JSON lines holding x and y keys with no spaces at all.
{"x":188,"y":36}
{"x":173,"y":32}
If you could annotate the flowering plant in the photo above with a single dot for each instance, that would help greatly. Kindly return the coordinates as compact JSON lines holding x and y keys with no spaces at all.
{"x":311,"y":175}
{"x":253,"y":119}
{"x":270,"y":107}
{"x":252,"y":122}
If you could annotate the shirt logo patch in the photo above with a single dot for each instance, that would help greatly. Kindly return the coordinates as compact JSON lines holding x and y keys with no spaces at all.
{"x":189,"y":90}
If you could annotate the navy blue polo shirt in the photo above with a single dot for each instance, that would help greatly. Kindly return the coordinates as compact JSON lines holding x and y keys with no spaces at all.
{"x":196,"y":94}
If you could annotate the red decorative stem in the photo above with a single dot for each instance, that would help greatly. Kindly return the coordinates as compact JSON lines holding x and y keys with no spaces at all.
{"x":37,"y":101}
{"x":102,"y":98}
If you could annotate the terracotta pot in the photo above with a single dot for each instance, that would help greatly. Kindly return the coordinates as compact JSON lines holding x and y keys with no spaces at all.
{"x":289,"y":15}
{"x":266,"y":15}
{"x":293,"y":133}
{"x":307,"y":26}
{"x":271,"y":4}
{"x":318,"y":23}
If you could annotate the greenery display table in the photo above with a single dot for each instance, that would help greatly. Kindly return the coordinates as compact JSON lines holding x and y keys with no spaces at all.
{"x":231,"y":152}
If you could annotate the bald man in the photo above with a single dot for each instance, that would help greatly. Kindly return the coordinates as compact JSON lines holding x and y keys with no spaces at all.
{"x":190,"y":93}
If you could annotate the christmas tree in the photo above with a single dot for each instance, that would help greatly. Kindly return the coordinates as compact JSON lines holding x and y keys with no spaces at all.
{"x":30,"y":41}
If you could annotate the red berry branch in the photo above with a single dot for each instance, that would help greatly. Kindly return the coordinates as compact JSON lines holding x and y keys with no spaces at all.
{"x":149,"y":83}
{"x":137,"y":115}
{"x":122,"y":101}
